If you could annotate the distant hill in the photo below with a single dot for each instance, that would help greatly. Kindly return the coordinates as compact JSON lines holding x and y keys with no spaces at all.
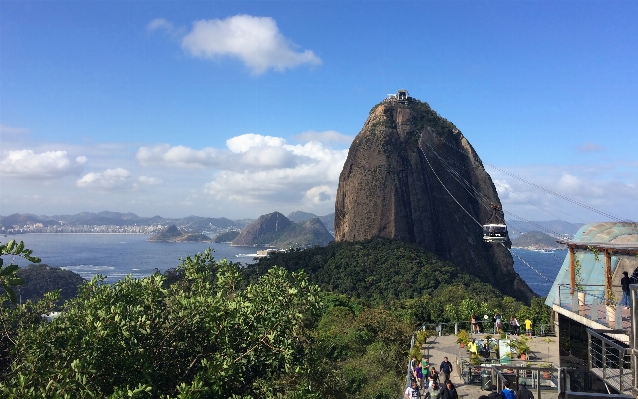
{"x":300,"y":216}
{"x":173,"y":234}
{"x":226,"y":237}
{"x":327,"y":220}
{"x":536,"y":240}
{"x":18,"y":219}
{"x":276,"y":230}
{"x":40,"y":279}
{"x":517,"y":227}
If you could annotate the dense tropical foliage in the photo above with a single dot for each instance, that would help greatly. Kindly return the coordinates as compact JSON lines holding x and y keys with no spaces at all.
{"x":332,"y":322}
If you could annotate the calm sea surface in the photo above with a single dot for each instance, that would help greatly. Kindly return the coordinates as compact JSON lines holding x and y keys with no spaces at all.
{"x":117,"y":255}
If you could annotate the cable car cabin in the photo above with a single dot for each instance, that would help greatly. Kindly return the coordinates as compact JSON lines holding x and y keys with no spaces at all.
{"x":494,"y":232}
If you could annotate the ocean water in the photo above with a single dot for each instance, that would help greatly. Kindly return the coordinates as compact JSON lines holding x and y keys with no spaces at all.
{"x":117,"y":255}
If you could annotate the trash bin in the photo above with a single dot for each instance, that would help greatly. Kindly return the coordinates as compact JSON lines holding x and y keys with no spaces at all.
{"x":486,"y":379}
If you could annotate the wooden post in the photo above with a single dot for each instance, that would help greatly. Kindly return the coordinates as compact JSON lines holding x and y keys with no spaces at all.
{"x":608,"y":282}
{"x":572,"y":269}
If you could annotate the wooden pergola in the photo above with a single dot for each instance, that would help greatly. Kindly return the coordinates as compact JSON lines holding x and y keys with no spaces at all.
{"x":607,"y":250}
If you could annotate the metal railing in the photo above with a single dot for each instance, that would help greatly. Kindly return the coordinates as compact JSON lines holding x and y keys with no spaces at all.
{"x":610,"y":361}
{"x":590,"y":303}
{"x":540,"y":380}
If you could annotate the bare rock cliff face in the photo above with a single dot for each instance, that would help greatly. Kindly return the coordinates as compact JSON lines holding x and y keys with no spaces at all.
{"x":389,"y":187}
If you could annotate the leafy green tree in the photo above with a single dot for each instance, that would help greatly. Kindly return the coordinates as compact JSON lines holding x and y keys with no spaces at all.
{"x":8,"y":275}
{"x":202,"y":336}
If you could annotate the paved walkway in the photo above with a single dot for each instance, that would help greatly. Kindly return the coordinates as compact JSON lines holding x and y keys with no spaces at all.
{"x":439,"y":347}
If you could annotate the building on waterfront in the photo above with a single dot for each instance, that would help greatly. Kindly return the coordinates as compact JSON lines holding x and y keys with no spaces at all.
{"x":597,"y":337}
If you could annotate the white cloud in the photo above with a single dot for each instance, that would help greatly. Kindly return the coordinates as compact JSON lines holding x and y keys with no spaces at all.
{"x":590,"y":147}
{"x":247,"y":141}
{"x":312,"y":180}
{"x":45,"y":165}
{"x":4,"y":129}
{"x":256,"y":41}
{"x":178,"y":156}
{"x":109,"y":179}
{"x":326,"y":136}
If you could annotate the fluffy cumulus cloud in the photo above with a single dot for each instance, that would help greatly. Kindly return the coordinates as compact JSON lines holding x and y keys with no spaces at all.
{"x":256,"y":41}
{"x":326,"y":136}
{"x":107,"y":180}
{"x":257,"y":169}
{"x":160,"y":24}
{"x":45,"y":165}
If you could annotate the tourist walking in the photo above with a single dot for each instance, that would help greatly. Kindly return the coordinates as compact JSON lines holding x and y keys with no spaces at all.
{"x":433,"y":392}
{"x":498,"y":323}
{"x":412,"y":392}
{"x":433,"y":377}
{"x":475,"y":326}
{"x":425,"y":370}
{"x":515,"y":326}
{"x":449,"y":392}
{"x":624,"y":282}
{"x":507,"y":393}
{"x":446,"y":368}
{"x":523,"y":392}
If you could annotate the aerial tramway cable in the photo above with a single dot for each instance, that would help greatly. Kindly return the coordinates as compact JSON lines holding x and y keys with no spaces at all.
{"x":564,"y":197}
{"x":476,"y":196}
{"x":527,"y":264}
{"x":448,"y":191}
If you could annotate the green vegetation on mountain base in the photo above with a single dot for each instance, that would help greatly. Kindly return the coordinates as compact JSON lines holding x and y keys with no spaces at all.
{"x":396,"y":275}
{"x":226,"y":237}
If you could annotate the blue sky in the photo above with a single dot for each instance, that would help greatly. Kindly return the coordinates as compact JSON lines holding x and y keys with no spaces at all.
{"x":241,"y":108}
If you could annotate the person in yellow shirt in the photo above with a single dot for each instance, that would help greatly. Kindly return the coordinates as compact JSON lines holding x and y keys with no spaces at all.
{"x":528,"y":327}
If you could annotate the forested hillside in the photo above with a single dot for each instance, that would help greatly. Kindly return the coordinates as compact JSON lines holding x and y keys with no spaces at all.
{"x":377,"y":270}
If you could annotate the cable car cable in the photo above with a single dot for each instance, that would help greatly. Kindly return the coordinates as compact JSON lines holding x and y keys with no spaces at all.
{"x":527,"y":264}
{"x":564,"y":197}
{"x":448,"y":191}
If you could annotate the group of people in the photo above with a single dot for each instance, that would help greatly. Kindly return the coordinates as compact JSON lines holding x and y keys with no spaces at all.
{"x":498,"y":325}
{"x":421,"y":373}
{"x":508,"y":393}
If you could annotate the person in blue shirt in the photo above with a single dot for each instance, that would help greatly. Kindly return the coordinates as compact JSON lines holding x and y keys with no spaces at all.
{"x":507,"y":393}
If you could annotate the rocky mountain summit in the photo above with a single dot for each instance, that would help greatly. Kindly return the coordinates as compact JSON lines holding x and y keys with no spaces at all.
{"x":411,"y":175}
{"x":173,"y":234}
{"x":276,"y":230}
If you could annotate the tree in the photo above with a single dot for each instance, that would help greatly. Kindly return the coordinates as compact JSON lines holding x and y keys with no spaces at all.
{"x":8,"y":275}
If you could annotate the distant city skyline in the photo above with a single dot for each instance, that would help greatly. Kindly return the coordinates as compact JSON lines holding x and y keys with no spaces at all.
{"x":238,"y":109}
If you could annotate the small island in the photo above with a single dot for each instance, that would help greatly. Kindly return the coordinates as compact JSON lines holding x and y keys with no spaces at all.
{"x":173,"y":234}
{"x":536,"y":241}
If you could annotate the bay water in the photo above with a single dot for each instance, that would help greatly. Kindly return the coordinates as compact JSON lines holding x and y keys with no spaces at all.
{"x":117,"y":255}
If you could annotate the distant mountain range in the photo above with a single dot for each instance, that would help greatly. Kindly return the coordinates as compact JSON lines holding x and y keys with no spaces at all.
{"x":551,"y":227}
{"x":195,"y":224}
